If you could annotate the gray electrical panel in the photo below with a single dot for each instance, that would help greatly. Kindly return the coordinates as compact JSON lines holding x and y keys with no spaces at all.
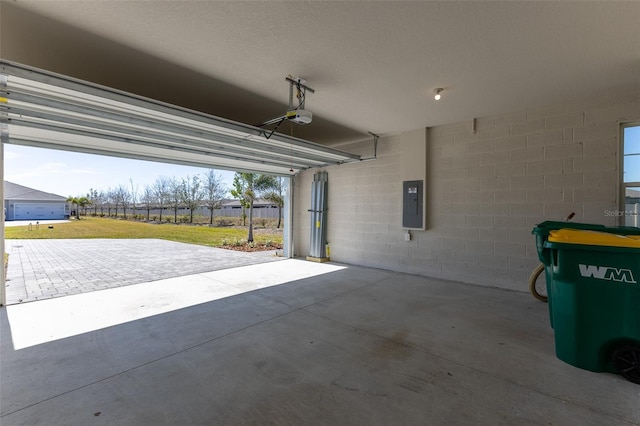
{"x":412,"y":204}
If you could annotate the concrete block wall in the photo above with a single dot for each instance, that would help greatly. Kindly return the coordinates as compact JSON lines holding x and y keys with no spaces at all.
{"x":364,"y":219}
{"x":485,"y":191}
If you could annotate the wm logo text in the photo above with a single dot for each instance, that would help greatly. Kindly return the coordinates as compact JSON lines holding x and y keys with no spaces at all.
{"x":607,"y":273}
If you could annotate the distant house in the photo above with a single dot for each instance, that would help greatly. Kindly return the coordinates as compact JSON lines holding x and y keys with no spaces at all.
{"x":632,"y":196}
{"x":632,"y":207}
{"x":23,"y":203}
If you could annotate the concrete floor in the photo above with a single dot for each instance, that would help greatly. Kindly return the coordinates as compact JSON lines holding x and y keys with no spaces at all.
{"x":335,"y":346}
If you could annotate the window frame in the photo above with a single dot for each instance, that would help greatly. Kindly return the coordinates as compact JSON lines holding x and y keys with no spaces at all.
{"x":624,"y":185}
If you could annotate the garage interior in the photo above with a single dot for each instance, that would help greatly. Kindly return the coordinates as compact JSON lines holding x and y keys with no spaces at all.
{"x":428,"y":325}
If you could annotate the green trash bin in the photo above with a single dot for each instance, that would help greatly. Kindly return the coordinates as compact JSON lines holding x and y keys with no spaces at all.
{"x":595,"y":289}
{"x":542,"y":230}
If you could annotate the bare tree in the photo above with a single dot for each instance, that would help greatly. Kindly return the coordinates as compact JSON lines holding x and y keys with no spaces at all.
{"x":112,"y":201}
{"x":102,"y":201}
{"x":174,"y":196}
{"x":124,"y":199}
{"x":94,"y":197}
{"x":191,"y":194}
{"x":148,"y":199}
{"x":134,"y":196}
{"x":161,"y":192}
{"x":214,"y":192}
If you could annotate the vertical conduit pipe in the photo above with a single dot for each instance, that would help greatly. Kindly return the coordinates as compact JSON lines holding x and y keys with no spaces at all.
{"x":318,"y":236}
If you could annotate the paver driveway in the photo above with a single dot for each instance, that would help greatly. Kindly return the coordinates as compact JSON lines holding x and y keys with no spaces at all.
{"x":42,"y":269}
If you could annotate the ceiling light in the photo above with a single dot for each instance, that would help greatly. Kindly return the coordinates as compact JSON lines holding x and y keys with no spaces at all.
{"x":437,"y":92}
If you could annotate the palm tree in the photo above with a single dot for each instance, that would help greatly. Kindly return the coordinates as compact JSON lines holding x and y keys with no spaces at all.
{"x":246,"y":187}
{"x":74,"y":202}
{"x":83,"y":202}
{"x":78,"y":202}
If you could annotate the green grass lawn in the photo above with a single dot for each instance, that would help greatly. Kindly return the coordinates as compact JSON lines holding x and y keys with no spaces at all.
{"x":95,"y":227}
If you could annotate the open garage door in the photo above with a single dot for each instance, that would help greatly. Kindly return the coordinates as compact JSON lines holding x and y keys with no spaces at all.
{"x":47,"y":110}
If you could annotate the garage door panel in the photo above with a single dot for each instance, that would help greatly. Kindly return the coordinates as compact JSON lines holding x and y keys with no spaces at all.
{"x":38,"y":211}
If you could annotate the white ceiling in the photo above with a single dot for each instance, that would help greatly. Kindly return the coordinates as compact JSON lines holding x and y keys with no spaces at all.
{"x":373,"y":64}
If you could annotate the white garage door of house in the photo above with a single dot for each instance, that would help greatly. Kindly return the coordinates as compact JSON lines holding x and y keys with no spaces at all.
{"x":38,"y":211}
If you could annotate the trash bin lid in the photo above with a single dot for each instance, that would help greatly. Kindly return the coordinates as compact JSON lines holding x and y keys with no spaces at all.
{"x":593,"y":238}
